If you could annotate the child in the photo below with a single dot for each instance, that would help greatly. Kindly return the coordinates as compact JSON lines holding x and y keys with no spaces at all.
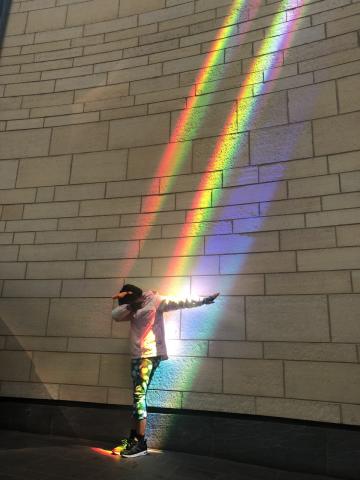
{"x":147,"y":339}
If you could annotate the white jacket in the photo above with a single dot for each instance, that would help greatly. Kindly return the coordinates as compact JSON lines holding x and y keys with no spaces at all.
{"x":147,"y":332}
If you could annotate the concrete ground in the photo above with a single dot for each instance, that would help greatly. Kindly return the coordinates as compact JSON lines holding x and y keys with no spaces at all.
{"x":46,"y":457}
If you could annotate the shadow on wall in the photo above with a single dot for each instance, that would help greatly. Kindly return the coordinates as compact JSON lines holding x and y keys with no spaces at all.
{"x":4,"y":14}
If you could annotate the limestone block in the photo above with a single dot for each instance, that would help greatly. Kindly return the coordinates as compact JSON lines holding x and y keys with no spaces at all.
{"x":344,"y":315}
{"x":24,"y":237}
{"x":92,"y":12}
{"x":81,"y":393}
{"x":69,"y":368}
{"x":80,"y":192}
{"x":163,"y":399}
{"x":249,"y":193}
{"x":241,"y":243}
{"x":99,"y":345}
{"x":343,"y":25}
{"x":31,"y":288}
{"x":102,"y":93}
{"x":30,"y":390}
{"x":144,"y":162}
{"x":187,"y":348}
{"x":109,"y":206}
{"x":281,"y":222}
{"x":329,"y":259}
{"x":197,"y":229}
{"x":230,"y":284}
{"x":6,"y":238}
{"x":68,"y":236}
{"x":344,"y":200}
{"x":350,"y":181}
{"x":253,"y":377}
{"x":50,"y":252}
{"x":89,"y":287}
{"x":189,"y":200}
{"x":317,"y":352}
{"x":287,"y":318}
{"x":8,"y":253}
{"x":102,"y":250}
{"x":351,"y":414}
{"x":155,"y":84}
{"x":349,"y":235}
{"x":258,"y":263}
{"x":117,"y":268}
{"x":55,"y":270}
{"x":300,"y":409}
{"x":223,"y":320}
{"x":218,"y":402}
{"x":285,"y":207}
{"x":106,"y":221}
{"x":29,"y":143}
{"x":48,"y":100}
{"x":79,"y":138}
{"x":273,"y":144}
{"x":133,"y":132}
{"x":331,"y":382}
{"x":120,"y":396}
{"x":29,"y":88}
{"x":311,"y":187}
{"x":312,"y":101}
{"x":204,"y":122}
{"x":307,"y":238}
{"x":115,"y":371}
{"x":26,"y":195}
{"x":131,"y":188}
{"x":165,"y":247}
{"x":46,"y":19}
{"x":80,"y":318}
{"x":233,"y":349}
{"x":30,"y":225}
{"x":36,"y":343}
{"x":166,"y":13}
{"x":44,"y":171}
{"x":85,"y":81}
{"x":57,"y":35}
{"x":12,"y":212}
{"x":46,"y":210}
{"x":240,"y":176}
{"x":189,"y":373}
{"x":195,"y":265}
{"x":336,"y":134}
{"x":99,"y":166}
{"x":349,"y":97}
{"x":16,"y":24}
{"x":307,"y":283}
{"x":158,"y":203}
{"x":23,"y":317}
{"x":12,"y":270}
{"x":203,"y":149}
{"x":138,"y":6}
{"x":112,"y":26}
{"x":129,"y":233}
{"x":133,"y":73}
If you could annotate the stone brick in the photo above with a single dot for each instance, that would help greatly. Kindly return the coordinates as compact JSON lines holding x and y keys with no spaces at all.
{"x":109,"y":206}
{"x":308,"y":283}
{"x":84,"y":81}
{"x":8,"y":253}
{"x":144,"y":162}
{"x":89,"y":287}
{"x":31,"y":288}
{"x":103,"y":250}
{"x":158,"y":203}
{"x":107,"y":221}
{"x":310,"y":187}
{"x":115,"y":268}
{"x":343,"y":25}
{"x":68,"y":368}
{"x":218,"y":402}
{"x":163,"y":399}
{"x":46,"y":19}
{"x":50,"y":344}
{"x":120,"y":396}
{"x":16,"y":24}
{"x":92,"y":12}
{"x":98,"y":167}
{"x":48,"y":99}
{"x":13,"y":313}
{"x":115,"y":371}
{"x":165,"y":247}
{"x":351,"y":414}
{"x":233,"y":349}
{"x":12,"y":270}
{"x":329,"y":259}
{"x":195,"y":265}
{"x":334,"y":382}
{"x":80,"y":192}
{"x":131,"y":188}
{"x":249,"y":193}
{"x":45,"y":194}
{"x":53,"y":210}
{"x":30,"y":143}
{"x":312,"y":101}
{"x":318,"y":352}
{"x":30,"y":225}
{"x":24,"y":237}
{"x":57,"y":35}
{"x":257,"y":263}
{"x":116,"y":25}
{"x":344,"y":162}
{"x":44,"y":171}
{"x":130,"y":233}
{"x":79,"y":138}
{"x":47,"y":252}
{"x":55,"y":270}
{"x":344,"y":318}
{"x":240,"y":176}
{"x":15,"y":365}
{"x":299,"y":409}
{"x":189,"y":200}
{"x":197,"y":229}
{"x":348,"y":235}
{"x":161,"y":218}
{"x":30,"y":390}
{"x":29,"y":88}
{"x":256,"y":242}
{"x":272,"y":144}
{"x":336,"y":134}
{"x":138,"y":6}
{"x":93,"y":318}
{"x":287,"y":318}
{"x":253,"y":377}
{"x":343,"y":200}
{"x":81,"y":393}
{"x":166,"y":13}
{"x":350,"y":181}
{"x":230,"y":284}
{"x":335,"y":217}
{"x":8,"y":170}
{"x":307,"y":238}
{"x":282,"y":207}
{"x":187,"y":348}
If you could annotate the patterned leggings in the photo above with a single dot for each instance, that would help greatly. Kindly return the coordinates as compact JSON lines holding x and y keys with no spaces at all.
{"x":142,"y":371}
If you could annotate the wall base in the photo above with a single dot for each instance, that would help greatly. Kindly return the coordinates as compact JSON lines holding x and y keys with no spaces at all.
{"x":287,"y":444}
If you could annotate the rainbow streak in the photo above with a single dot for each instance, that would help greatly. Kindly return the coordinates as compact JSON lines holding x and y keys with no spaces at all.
{"x":177,"y":151}
{"x":228,"y":144}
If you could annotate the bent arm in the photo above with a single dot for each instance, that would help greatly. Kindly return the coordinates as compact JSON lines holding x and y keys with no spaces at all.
{"x":121,"y":314}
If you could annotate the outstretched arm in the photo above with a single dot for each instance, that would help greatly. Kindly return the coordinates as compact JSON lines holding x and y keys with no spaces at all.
{"x":168,"y":304}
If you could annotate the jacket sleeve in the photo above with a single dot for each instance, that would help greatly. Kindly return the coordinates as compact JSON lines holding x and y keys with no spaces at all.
{"x":173,"y":303}
{"x":121,"y":313}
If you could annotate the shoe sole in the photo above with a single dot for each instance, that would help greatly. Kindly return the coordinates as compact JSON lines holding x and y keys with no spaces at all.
{"x":135,"y":454}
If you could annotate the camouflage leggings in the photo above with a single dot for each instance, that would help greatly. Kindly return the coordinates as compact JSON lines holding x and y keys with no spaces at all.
{"x":142,"y":371}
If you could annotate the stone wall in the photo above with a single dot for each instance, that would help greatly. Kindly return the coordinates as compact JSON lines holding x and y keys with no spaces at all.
{"x":189,"y":147}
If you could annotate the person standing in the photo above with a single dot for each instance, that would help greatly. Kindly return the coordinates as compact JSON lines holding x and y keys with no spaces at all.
{"x":145,"y":311}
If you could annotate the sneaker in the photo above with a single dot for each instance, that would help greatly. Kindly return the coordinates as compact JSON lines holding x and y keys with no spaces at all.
{"x":135,"y":449}
{"x":123,"y":445}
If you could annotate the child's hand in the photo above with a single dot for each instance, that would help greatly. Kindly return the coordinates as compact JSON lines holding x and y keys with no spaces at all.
{"x":120,"y":295}
{"x":211,"y":298}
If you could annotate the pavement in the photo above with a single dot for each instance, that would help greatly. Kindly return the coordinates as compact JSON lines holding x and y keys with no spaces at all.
{"x":30,"y":456}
